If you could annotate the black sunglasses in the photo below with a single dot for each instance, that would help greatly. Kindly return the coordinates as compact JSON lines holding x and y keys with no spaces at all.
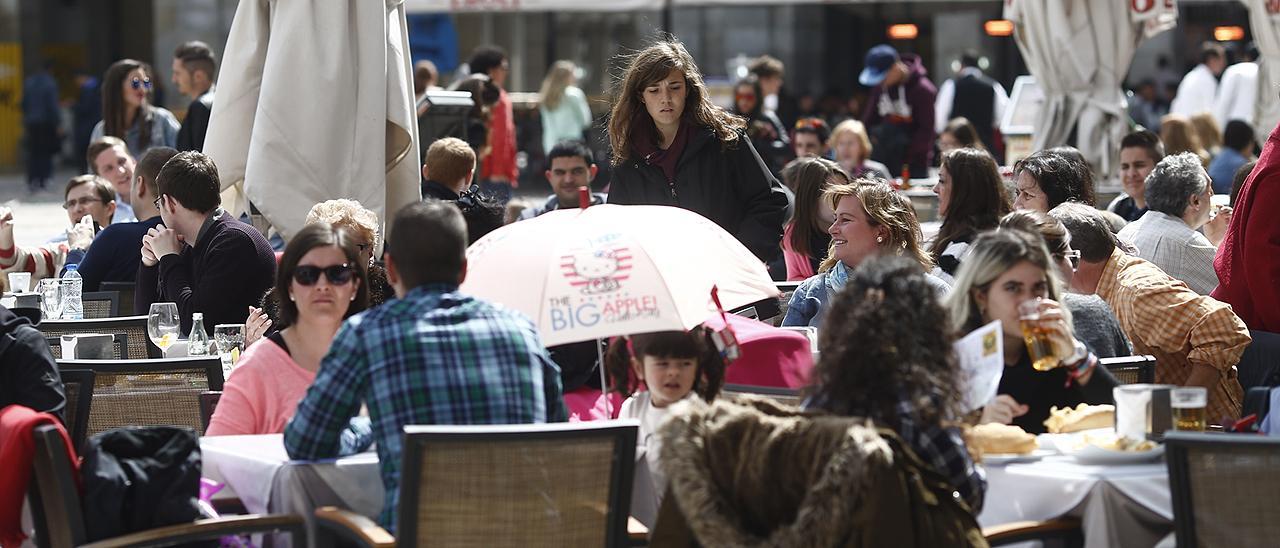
{"x":138,"y":83}
{"x":338,"y":274}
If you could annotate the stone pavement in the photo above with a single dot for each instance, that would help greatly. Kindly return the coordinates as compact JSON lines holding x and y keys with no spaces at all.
{"x":38,"y":216}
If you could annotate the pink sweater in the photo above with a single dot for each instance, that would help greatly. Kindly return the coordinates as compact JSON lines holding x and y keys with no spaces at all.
{"x":262,"y":393}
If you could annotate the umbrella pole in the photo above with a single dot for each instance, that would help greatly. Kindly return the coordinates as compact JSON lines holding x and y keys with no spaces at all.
{"x":604,"y":383}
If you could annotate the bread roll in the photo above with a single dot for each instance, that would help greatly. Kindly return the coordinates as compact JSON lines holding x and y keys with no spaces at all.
{"x":1083,"y":417}
{"x":1001,"y":438}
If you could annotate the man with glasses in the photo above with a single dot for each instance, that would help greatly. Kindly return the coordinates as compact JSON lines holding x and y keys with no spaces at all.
{"x":572,"y":165}
{"x":89,"y":201}
{"x":113,"y":257}
{"x":200,"y":257}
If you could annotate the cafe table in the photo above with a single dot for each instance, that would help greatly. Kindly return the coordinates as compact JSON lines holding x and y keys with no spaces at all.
{"x":257,"y":470}
{"x":1118,"y":504}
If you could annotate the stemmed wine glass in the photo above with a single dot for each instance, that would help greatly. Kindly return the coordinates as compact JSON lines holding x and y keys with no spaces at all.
{"x":162,"y":325}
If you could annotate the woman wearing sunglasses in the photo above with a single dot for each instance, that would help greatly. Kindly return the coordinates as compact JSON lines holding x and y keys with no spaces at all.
{"x":127,"y":111}
{"x":321,"y":282}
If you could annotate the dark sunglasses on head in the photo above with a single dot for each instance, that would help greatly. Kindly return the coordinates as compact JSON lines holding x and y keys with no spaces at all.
{"x":1074,"y":257}
{"x":137,"y":83}
{"x":308,"y":275}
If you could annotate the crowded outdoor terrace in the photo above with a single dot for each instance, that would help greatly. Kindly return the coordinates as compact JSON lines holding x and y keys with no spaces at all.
{"x":742,"y":321}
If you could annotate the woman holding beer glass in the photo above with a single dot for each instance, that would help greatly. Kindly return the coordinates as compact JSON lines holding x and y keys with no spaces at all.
{"x":1008,"y":276}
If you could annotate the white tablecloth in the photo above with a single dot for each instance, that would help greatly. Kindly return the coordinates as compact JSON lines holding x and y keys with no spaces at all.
{"x":258,"y":471}
{"x":1119,"y":505}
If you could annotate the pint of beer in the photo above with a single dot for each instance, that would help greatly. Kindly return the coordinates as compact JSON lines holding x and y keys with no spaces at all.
{"x":1189,"y":408}
{"x":1039,"y":346}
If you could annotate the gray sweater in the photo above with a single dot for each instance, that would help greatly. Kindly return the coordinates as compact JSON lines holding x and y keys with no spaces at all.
{"x":1096,"y":325}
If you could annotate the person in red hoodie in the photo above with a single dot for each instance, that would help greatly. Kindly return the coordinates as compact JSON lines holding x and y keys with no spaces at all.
{"x":900,"y":110}
{"x":1248,"y":260}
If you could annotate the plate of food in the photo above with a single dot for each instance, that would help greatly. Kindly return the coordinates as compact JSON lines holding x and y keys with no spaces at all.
{"x":1003,"y":444}
{"x":1111,"y":448}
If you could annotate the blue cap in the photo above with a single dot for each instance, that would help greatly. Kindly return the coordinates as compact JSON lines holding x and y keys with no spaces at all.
{"x":879,"y":59}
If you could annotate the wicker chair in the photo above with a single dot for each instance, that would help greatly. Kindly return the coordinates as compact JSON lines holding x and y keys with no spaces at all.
{"x":160,"y":392}
{"x":784,"y":396}
{"x":134,"y":328}
{"x":120,"y":340}
{"x":59,"y":521}
{"x":530,"y":485}
{"x":78,"y":386}
{"x":1131,"y":369}
{"x":100,"y":304}
{"x":1225,"y":488}
{"x":125,"y":290}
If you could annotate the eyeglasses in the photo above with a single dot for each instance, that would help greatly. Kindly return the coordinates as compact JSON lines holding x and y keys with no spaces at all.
{"x":157,"y":201}
{"x":140,"y":83}
{"x":80,"y":202}
{"x":337,"y":274}
{"x":1074,"y":257}
{"x":745,"y":96}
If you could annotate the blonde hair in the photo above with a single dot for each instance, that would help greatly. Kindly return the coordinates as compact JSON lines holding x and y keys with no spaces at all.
{"x":348,"y":214}
{"x":558,"y":78}
{"x":1179,"y":135}
{"x":885,"y":207}
{"x":449,"y":160}
{"x":1208,"y":131}
{"x":992,"y":254}
{"x":858,"y":131}
{"x":650,"y":65}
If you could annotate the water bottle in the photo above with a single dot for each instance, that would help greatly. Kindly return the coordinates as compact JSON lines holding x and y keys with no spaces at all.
{"x":72,"y":285}
{"x":198,"y":340}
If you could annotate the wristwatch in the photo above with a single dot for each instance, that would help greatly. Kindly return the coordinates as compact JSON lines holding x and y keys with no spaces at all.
{"x":1077,"y":358}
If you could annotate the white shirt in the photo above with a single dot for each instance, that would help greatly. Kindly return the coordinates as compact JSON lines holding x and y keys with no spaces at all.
{"x":1196,"y":93}
{"x":646,"y":499}
{"x":947,"y":96}
{"x":1237,"y":94}
{"x":1167,"y":242}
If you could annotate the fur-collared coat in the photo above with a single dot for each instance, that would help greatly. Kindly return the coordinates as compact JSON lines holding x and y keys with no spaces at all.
{"x":752,"y":473}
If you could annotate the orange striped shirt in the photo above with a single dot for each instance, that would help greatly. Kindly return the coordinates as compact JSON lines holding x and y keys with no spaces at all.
{"x":1166,"y":319}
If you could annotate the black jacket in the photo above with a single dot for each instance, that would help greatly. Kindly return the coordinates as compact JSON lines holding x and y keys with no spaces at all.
{"x":196,"y":123}
{"x":730,"y":186}
{"x":28,"y":374}
{"x":138,"y":478}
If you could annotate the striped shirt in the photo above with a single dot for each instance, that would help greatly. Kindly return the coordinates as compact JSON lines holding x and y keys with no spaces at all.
{"x":1173,"y":246}
{"x":435,"y":356}
{"x":1166,"y":319}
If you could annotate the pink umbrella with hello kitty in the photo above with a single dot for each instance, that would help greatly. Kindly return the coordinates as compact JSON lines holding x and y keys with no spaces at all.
{"x":610,"y":270}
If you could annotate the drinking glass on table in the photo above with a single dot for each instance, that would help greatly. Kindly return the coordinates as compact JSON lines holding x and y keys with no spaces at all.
{"x":1039,"y":345}
{"x":1188,"y":405}
{"x":51,"y":298}
{"x":19,"y":282}
{"x":162,"y":325}
{"x":229,"y":337}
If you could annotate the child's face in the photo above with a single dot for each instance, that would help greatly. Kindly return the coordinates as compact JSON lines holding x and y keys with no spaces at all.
{"x":669,"y":379}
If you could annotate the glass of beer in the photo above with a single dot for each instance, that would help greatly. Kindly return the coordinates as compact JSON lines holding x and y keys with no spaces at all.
{"x":1039,"y":346}
{"x":1189,"y":408}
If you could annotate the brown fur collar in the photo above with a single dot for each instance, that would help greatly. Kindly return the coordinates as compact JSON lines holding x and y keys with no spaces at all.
{"x":780,"y":477}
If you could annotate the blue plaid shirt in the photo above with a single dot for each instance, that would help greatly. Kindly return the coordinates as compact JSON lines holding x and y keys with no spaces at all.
{"x":435,"y":356}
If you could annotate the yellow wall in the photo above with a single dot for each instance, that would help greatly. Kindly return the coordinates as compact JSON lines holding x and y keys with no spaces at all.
{"x":10,"y":102}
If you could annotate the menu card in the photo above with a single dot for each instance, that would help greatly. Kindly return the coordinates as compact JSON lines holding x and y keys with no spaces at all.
{"x":981,"y":357}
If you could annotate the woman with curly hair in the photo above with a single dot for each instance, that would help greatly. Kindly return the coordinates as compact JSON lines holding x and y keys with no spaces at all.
{"x":1004,"y":269}
{"x":673,"y":146}
{"x":805,"y":239}
{"x":903,"y":378}
{"x":127,"y":111}
{"x":971,"y":198}
{"x":870,"y":219}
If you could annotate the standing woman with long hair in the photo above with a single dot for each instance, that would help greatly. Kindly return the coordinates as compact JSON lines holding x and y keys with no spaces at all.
{"x":805,"y":239}
{"x":971,"y":198}
{"x":673,"y":146}
{"x":127,"y":111}
{"x":563,"y":108}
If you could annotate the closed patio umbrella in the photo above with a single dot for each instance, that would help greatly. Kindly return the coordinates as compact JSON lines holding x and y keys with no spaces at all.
{"x":315,"y":102}
{"x":1079,"y":51}
{"x":1264,"y":20}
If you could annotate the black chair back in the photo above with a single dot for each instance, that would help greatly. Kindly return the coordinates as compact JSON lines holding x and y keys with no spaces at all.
{"x":125,"y":290}
{"x":78,"y":387}
{"x":55,"y":499}
{"x":1225,"y":488}
{"x":133,"y":328}
{"x":1131,"y":369}
{"x":100,"y":304}
{"x":160,"y":392}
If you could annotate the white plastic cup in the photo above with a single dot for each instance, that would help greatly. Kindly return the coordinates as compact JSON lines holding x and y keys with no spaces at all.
{"x":19,"y":282}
